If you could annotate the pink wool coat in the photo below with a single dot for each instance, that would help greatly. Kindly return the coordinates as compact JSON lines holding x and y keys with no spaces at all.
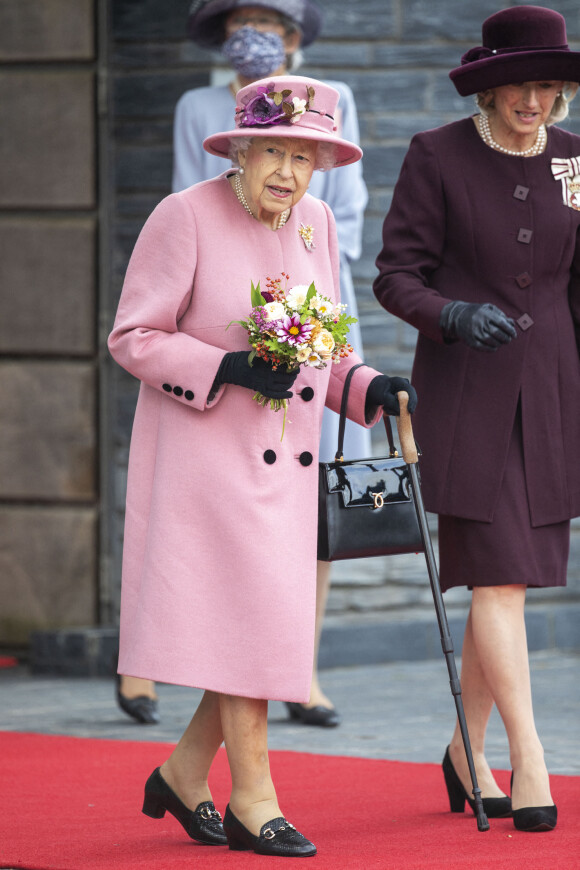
{"x":219,"y":565}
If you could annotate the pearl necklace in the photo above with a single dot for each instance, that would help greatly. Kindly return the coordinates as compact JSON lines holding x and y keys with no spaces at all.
{"x":536,"y":148}
{"x":240,"y":195}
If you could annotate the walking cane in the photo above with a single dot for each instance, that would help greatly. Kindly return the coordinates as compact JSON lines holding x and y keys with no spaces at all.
{"x":410,"y":456}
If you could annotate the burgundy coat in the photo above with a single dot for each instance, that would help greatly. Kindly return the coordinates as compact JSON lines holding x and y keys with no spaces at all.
{"x":473,"y":224}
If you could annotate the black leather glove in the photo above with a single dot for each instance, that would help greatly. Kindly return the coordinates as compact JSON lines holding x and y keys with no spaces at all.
{"x":260,"y":376}
{"x":383,"y":390}
{"x":482,"y":327}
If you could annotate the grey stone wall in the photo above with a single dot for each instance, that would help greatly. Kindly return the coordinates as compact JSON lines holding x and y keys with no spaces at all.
{"x":48,"y":339}
{"x":395,"y":55}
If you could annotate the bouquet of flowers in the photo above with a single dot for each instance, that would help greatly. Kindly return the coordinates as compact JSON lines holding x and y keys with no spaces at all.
{"x":294,"y":327}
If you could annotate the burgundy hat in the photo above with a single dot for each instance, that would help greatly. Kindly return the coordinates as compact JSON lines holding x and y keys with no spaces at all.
{"x":289,"y":106}
{"x":520,"y":44}
{"x":206,"y":18}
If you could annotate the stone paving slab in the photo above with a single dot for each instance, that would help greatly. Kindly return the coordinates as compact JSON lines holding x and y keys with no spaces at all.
{"x":400,"y":711}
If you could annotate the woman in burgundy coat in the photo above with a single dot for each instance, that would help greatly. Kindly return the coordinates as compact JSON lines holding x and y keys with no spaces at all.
{"x":481,"y":255}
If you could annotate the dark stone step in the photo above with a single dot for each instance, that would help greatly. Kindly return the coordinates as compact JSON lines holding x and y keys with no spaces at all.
{"x":347,"y":640}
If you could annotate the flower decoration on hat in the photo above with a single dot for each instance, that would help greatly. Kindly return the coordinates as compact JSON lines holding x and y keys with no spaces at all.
{"x":286,"y":106}
{"x":270,"y":107}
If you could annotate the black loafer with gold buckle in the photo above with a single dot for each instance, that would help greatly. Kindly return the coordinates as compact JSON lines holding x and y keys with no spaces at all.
{"x":203,"y":824}
{"x":277,"y":837}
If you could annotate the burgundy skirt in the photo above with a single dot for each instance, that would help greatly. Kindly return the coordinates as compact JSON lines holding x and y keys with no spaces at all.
{"x":507,"y":550}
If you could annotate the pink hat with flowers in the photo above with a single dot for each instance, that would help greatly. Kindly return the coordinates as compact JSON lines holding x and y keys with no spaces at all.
{"x":287,"y":106}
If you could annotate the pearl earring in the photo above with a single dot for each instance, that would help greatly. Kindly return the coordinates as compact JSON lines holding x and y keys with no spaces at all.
{"x":241,"y":170}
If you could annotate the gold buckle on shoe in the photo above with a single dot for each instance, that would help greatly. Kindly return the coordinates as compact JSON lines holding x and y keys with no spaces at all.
{"x":269,"y":834}
{"x":206,"y":813}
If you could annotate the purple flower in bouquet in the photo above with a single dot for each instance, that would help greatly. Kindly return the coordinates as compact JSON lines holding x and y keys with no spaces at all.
{"x":260,"y":319}
{"x":291,"y":330}
{"x":262,"y":110}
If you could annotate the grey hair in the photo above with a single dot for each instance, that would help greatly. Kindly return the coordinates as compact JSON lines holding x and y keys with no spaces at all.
{"x":238,"y":146}
{"x":325,"y":152}
{"x":485,"y":102}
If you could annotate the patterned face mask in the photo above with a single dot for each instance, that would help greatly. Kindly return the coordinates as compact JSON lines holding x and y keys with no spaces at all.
{"x":254,"y":54}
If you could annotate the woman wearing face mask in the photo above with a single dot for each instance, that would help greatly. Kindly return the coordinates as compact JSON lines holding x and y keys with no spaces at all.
{"x":259,"y":40}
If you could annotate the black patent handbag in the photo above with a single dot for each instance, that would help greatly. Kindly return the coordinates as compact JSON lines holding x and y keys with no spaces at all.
{"x":365,"y":506}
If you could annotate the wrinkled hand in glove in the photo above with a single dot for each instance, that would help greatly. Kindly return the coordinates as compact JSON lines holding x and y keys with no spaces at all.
{"x":259,"y":376}
{"x":481,"y":327}
{"x":383,"y":390}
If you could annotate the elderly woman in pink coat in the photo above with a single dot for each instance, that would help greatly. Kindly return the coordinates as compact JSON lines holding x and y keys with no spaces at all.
{"x":219,"y":569}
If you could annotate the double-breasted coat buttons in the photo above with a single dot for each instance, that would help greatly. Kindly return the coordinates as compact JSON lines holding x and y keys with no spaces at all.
{"x":304,"y":459}
{"x":307,"y":394}
{"x":523,"y":280}
{"x":178,"y":391}
{"x":524,"y":237}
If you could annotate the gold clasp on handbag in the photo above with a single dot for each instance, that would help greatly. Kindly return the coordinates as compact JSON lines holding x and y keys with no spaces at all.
{"x":378,"y":500}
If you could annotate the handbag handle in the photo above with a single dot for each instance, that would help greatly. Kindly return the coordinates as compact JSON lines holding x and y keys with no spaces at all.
{"x":339,"y":455}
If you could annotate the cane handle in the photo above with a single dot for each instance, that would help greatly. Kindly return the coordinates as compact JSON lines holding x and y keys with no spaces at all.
{"x":405,"y":430}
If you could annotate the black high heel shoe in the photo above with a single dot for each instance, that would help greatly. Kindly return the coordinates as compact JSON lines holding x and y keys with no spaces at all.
{"x":326,"y":717}
{"x":277,"y":837}
{"x":533,"y":819}
{"x":143,"y":709}
{"x":203,"y":824}
{"x":494,"y":808}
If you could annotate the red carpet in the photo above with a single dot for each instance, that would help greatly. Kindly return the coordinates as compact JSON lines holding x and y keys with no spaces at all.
{"x":69,"y":804}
